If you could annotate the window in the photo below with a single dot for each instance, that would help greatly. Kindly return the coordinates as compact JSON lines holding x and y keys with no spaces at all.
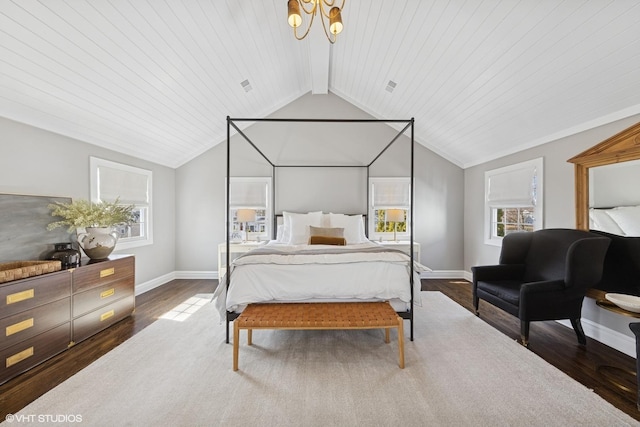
{"x":513,"y":200}
{"x":389,"y":210}
{"x":130,"y":186}
{"x":249,"y":205}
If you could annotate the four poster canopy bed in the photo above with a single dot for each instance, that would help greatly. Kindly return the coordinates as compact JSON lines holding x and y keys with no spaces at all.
{"x":318,"y":257}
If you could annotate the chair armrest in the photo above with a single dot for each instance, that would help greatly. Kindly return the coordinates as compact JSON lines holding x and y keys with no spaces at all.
{"x":497,"y":272}
{"x":545,"y":299}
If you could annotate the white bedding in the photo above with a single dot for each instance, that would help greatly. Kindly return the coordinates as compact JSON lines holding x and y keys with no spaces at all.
{"x":621,"y":220}
{"x":298,"y":273}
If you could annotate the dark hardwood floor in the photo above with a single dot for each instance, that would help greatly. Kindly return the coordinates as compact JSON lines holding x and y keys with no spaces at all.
{"x":551,"y":341}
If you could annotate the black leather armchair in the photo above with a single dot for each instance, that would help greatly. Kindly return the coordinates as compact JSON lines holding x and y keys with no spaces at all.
{"x":542,"y":275}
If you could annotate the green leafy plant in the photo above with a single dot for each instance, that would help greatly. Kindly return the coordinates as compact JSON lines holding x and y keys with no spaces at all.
{"x":82,"y":214}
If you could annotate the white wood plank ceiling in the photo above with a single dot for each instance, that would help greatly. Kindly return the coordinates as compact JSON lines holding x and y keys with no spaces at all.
{"x":157,"y":78}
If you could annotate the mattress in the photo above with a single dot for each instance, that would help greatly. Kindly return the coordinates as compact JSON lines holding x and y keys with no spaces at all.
{"x":319,"y":273}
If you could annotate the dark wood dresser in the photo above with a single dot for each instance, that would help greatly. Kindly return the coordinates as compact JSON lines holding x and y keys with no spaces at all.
{"x":103,"y":293}
{"x":44,"y":315}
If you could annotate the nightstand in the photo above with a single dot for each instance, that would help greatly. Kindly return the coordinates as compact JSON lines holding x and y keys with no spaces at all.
{"x":404,"y":246}
{"x":235,"y":249}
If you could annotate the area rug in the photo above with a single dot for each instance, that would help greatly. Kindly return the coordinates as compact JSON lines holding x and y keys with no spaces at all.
{"x":459,"y":371}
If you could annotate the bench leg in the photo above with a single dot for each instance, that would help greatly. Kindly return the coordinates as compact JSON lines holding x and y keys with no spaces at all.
{"x":249,"y":336}
{"x":387,"y":338}
{"x":400,"y":343}
{"x":236,"y":344}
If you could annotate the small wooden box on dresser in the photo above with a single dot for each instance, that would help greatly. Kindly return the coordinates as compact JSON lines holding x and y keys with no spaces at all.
{"x":44,"y":315}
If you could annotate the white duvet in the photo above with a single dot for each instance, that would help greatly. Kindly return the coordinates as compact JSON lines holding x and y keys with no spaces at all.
{"x":319,"y":273}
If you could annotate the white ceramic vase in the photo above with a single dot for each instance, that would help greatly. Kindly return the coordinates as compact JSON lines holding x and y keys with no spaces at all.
{"x":98,"y":242}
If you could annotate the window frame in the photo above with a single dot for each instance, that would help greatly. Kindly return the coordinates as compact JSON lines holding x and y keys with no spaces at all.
{"x":387,"y":236}
{"x":144,"y":207}
{"x":536,"y":202}
{"x":268,"y":219}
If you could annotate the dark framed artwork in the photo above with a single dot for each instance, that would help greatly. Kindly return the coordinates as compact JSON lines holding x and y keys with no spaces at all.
{"x":23,"y":227}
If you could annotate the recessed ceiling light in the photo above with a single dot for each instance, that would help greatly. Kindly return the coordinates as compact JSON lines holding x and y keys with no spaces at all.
{"x":246,"y":85}
{"x":391,"y":86}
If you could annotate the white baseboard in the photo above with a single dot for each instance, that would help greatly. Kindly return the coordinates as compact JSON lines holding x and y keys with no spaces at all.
{"x":443,"y":274}
{"x":447,"y":274}
{"x":154,"y":283}
{"x":196,"y":275}
{"x":162,"y":280}
{"x":468,"y":275}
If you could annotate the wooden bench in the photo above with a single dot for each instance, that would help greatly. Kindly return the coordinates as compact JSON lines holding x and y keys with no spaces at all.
{"x":347,"y":315}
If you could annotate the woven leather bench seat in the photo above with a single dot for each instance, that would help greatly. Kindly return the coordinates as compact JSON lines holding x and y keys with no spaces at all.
{"x":347,"y":315}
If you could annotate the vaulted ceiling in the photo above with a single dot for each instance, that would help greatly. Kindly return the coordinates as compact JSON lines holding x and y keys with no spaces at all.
{"x":156,"y":79}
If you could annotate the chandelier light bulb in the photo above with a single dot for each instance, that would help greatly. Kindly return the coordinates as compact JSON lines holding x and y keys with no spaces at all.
{"x":333,"y":24}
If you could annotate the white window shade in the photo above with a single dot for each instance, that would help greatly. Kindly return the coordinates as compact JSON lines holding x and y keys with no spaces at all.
{"x":130,"y":185}
{"x":248,"y":193}
{"x":126,"y":186}
{"x":513,"y":187}
{"x":391,"y":193}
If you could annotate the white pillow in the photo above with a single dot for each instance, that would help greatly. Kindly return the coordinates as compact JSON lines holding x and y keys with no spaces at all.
{"x":299,"y":226}
{"x":600,"y":220}
{"x":280,"y":233}
{"x":286,"y":222}
{"x":628,"y":218}
{"x":326,"y":218}
{"x":353,"y":227}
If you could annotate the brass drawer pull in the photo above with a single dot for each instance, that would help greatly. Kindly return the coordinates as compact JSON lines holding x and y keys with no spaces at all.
{"x":20,"y":296}
{"x":108,"y":314}
{"x":107,"y":272}
{"x":19,"y":327}
{"x":19,"y":357}
{"x":107,"y":293}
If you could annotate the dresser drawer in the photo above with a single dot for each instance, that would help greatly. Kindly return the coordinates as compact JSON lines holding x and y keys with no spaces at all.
{"x":27,"y":354}
{"x":91,"y":323}
{"x":29,"y":323}
{"x":29,"y":293}
{"x":84,"y":302}
{"x":102,"y":273}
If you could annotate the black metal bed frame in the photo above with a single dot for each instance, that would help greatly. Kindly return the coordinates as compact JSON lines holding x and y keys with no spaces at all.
{"x":409,"y":124}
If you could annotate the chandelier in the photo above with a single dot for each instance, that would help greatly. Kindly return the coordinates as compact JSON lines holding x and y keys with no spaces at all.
{"x":334,"y":17}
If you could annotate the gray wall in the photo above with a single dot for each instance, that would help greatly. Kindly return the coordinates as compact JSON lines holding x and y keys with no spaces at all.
{"x":37,"y":162}
{"x":559,"y":203}
{"x":200,"y":183}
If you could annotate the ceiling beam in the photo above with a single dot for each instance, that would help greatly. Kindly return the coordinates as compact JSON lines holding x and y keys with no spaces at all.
{"x":319,"y":53}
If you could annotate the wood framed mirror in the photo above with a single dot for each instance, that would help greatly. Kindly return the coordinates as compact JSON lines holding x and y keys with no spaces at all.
{"x":622,"y":264}
{"x":622,"y":147}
